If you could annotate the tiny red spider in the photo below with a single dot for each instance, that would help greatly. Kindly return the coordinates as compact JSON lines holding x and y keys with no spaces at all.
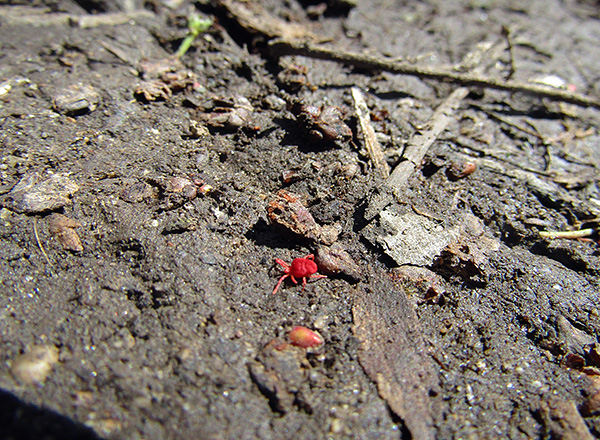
{"x":300,"y":268}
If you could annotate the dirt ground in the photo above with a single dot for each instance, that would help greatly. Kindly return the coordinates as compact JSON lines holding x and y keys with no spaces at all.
{"x":145,"y":198}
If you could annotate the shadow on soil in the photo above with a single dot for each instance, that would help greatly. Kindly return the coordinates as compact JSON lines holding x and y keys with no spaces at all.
{"x":19,"y":420}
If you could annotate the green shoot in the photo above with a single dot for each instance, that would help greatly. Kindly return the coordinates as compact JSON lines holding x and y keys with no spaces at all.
{"x":196,"y":26}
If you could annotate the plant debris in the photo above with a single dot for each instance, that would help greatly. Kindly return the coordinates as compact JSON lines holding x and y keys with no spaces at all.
{"x":324,"y":123}
{"x":76,"y":99}
{"x":288,"y":212}
{"x":33,"y":195}
{"x":227,"y":113}
{"x":62,"y":229}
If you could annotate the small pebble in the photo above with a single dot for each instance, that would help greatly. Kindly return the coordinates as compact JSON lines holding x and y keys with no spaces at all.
{"x":35,"y":365}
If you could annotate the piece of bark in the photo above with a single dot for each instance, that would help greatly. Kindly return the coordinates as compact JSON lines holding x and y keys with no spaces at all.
{"x":393,"y":354}
{"x":31,"y":195}
{"x":62,"y":229}
{"x":287,"y":211}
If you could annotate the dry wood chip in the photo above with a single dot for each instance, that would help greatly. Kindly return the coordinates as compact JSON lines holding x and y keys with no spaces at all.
{"x":76,"y":99}
{"x":393,"y":354}
{"x":287,"y":210}
{"x":62,"y":229}
{"x":371,"y":143}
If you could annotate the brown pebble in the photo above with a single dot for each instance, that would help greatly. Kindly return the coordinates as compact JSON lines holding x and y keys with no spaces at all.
{"x":594,"y":354}
{"x":591,"y":406}
{"x":290,"y":176}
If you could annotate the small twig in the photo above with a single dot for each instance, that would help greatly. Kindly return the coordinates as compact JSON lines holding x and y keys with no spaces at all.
{"x":511,"y":53}
{"x":39,"y":243}
{"x":505,"y":121}
{"x":466,"y":142}
{"x":38,"y":17}
{"x":420,"y":143}
{"x":256,"y":20}
{"x":414,"y":153}
{"x":582,"y":233}
{"x":424,"y":214}
{"x":545,"y":190}
{"x":285,"y":47}
{"x":373,"y":147}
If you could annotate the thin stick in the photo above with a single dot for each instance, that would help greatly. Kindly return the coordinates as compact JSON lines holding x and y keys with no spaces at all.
{"x":582,"y":233}
{"x":39,"y":243}
{"x":506,"y":32}
{"x":420,"y":143}
{"x":414,"y":153}
{"x":285,"y":47}
{"x":373,"y":147}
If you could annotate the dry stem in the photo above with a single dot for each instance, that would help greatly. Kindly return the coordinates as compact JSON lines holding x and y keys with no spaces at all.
{"x":286,"y":47}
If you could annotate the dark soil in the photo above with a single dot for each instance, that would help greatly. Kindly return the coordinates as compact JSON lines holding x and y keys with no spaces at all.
{"x":142,"y":215}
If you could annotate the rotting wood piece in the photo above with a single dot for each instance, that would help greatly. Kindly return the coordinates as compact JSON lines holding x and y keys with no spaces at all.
{"x":392,"y":353}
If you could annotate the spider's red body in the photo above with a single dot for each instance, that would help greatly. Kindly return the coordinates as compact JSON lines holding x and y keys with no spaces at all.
{"x":300,"y":268}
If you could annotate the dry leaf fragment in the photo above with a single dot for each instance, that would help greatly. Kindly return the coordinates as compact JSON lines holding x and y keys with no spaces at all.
{"x":62,"y":229}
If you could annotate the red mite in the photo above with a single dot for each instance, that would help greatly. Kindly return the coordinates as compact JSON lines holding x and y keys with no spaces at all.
{"x":300,"y":268}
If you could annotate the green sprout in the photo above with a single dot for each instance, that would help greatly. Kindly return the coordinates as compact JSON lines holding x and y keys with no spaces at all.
{"x":196,"y":26}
